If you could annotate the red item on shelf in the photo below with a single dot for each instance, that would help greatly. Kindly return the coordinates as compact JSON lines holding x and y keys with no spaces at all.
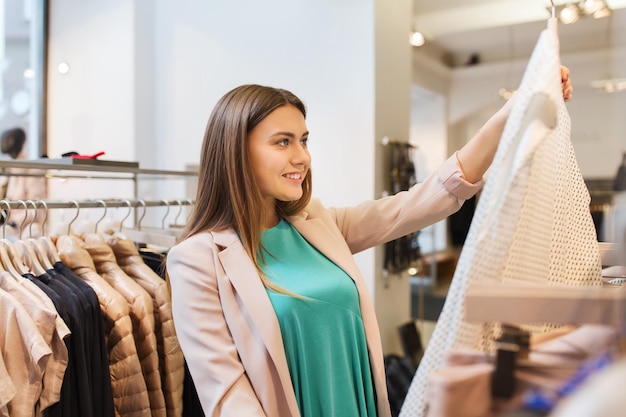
{"x":94,"y":156}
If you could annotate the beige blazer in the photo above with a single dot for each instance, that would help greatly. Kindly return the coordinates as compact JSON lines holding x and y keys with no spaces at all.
{"x":226,"y":324}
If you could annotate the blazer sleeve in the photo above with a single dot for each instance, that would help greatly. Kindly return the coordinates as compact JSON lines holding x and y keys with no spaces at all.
{"x":375,"y":222}
{"x":219,"y":376}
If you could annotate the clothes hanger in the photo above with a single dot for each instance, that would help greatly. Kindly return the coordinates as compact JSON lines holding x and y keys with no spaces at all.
{"x":9,"y":255}
{"x":136,"y":234}
{"x":47,"y":248}
{"x":139,"y":235}
{"x":69,"y":225}
{"x":163,"y":230}
{"x":553,"y":21}
{"x":95,"y":233}
{"x":180,"y":211}
{"x":5,"y":258}
{"x":25,"y":251}
{"x":36,"y":244}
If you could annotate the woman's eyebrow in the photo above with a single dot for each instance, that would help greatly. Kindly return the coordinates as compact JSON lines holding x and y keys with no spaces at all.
{"x":290,"y":134}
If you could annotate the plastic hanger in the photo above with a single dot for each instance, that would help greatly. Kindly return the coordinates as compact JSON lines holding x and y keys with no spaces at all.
{"x":553,"y":21}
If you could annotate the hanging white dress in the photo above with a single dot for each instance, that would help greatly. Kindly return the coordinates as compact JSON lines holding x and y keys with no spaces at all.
{"x":532,"y":222}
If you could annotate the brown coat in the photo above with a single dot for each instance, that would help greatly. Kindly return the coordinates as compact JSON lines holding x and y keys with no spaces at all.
{"x":141,"y":313}
{"x":130,"y":394}
{"x":170,"y":355}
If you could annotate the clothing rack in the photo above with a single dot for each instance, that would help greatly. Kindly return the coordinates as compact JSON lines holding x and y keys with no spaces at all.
{"x":105,"y":203}
{"x":137,"y":233}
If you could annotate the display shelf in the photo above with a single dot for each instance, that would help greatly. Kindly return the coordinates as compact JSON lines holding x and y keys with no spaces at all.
{"x":110,"y":170}
{"x":59,"y":165}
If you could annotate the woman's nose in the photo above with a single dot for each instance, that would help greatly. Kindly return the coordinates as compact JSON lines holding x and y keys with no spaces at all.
{"x":301,"y":155}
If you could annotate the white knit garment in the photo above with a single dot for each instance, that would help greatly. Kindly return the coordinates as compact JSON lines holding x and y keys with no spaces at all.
{"x":532,"y":222}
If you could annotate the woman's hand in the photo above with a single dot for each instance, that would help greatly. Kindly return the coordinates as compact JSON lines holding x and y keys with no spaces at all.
{"x":566,"y":84}
{"x":478,"y":153}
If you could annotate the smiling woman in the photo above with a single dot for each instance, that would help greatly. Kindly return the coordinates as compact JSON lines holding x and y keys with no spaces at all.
{"x":272,"y":313}
{"x":279,"y":157}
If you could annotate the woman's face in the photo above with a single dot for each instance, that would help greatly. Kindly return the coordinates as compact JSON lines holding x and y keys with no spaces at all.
{"x":279,"y":155}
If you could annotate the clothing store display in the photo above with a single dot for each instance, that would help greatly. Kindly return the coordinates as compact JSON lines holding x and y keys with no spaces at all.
{"x":532,"y":222}
{"x":141,"y":311}
{"x":171,"y":361}
{"x":129,"y":387}
{"x":86,"y":387}
{"x":53,"y":331}
{"x":25,"y":352}
{"x":403,"y":252}
{"x":190,"y":401}
{"x":463,"y":385}
{"x":88,"y":331}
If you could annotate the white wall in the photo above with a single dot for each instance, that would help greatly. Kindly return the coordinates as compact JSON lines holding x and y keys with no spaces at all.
{"x":323,"y":52}
{"x":429,"y":134}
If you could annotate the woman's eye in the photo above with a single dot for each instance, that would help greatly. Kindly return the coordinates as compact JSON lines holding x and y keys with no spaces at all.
{"x":283,"y":142}
{"x":304,"y":142}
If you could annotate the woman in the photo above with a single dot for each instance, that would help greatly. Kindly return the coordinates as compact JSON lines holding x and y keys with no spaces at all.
{"x":271,"y":312}
{"x":23,"y":183}
{"x":31,"y":186}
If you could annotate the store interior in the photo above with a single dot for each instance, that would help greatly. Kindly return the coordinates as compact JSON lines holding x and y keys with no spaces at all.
{"x":137,"y":81}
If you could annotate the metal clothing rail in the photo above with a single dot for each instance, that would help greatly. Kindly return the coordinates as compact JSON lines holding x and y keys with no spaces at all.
{"x":80,"y":204}
{"x":7,"y":205}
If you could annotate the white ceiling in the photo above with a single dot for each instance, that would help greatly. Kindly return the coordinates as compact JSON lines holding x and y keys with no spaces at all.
{"x":498,"y":30}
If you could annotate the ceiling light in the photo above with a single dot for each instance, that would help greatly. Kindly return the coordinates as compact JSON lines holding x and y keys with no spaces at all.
{"x":591,"y":6}
{"x":569,"y":14}
{"x":416,"y":39}
{"x":603,"y":11}
{"x":610,"y":85}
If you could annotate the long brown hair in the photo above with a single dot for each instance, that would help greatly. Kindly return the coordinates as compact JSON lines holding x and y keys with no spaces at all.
{"x":228,"y":195}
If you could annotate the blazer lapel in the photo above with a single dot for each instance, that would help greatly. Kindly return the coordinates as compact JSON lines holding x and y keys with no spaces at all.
{"x":326,"y":241}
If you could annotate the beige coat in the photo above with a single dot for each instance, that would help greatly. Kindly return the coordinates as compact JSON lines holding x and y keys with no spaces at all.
{"x":226,"y":324}
{"x":141,"y":312}
{"x":170,"y":356}
{"x":130,"y":394}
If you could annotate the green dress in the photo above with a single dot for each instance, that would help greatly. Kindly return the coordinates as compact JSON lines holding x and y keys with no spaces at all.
{"x":322,"y":331}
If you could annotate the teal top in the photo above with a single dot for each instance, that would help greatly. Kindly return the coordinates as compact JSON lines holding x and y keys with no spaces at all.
{"x":323,"y":331}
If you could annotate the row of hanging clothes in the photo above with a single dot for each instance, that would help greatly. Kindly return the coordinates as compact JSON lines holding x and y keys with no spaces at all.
{"x":88,"y":327}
